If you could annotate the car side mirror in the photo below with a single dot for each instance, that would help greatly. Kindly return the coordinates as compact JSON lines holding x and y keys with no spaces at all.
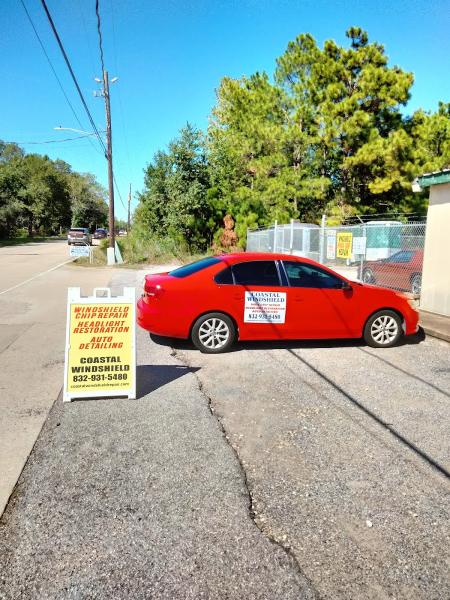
{"x":346,"y":286}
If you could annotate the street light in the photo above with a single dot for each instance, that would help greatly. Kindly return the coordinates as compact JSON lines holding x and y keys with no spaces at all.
{"x":76,"y":130}
{"x":104,"y":92}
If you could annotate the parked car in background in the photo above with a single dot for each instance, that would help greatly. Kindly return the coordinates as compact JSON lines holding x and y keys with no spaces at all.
{"x":401,"y":271}
{"x":79,"y":235}
{"x":100,"y":234}
{"x":259,"y":296}
{"x":122,"y":232}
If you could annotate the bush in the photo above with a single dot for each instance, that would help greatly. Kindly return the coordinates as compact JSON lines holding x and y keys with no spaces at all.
{"x":140,"y":247}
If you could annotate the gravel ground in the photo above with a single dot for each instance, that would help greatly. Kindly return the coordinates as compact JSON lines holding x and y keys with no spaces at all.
{"x":139,"y":499}
{"x":364,"y":510}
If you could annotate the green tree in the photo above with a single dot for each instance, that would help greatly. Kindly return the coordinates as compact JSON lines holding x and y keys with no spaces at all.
{"x":348,"y":102}
{"x":88,"y":201}
{"x":45,"y":195}
{"x":174,"y":202}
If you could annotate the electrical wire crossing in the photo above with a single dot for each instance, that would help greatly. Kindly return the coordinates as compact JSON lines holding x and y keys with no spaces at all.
{"x":78,"y":137}
{"x":51,"y":65}
{"x":69,"y":66}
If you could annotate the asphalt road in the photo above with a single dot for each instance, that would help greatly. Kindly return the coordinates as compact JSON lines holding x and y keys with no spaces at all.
{"x":139,"y":499}
{"x":33,"y":292}
{"x":303,"y":470}
{"x":346,"y":451}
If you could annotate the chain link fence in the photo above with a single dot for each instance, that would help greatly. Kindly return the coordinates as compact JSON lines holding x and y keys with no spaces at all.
{"x":384,"y":253}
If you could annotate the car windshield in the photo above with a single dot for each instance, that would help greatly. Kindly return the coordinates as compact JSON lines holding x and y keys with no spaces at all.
{"x":194,"y":267}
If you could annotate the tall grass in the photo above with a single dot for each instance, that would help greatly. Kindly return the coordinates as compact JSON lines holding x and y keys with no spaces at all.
{"x":138,"y":248}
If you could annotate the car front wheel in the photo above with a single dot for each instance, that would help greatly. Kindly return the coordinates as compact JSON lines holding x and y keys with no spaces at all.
{"x":416,"y":283}
{"x":213,"y":333}
{"x":383,"y":329}
{"x":368,"y":276}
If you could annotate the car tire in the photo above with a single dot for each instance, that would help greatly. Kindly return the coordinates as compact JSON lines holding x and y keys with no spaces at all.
{"x":416,"y":283}
{"x":383,"y":329}
{"x":213,"y":333}
{"x":368,"y":276}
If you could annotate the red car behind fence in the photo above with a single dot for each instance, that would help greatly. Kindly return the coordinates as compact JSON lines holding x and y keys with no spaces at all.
{"x":401,"y":271}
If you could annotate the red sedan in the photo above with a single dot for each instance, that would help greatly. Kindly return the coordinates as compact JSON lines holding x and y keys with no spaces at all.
{"x":255,"y":296}
{"x":401,"y":271}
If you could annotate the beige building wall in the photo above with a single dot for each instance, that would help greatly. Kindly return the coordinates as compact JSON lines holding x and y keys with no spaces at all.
{"x":435,"y":294}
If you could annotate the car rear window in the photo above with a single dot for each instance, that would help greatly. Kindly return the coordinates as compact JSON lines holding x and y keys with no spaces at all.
{"x":194,"y":267}
{"x":78,"y":230}
{"x":224,"y":277}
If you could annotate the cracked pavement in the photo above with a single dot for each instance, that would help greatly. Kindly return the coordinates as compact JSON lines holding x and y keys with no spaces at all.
{"x":303,"y":470}
{"x":139,"y":499}
{"x":342,"y":446}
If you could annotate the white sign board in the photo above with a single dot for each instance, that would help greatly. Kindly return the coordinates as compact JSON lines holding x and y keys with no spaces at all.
{"x":331,"y":245}
{"x":359,"y":245}
{"x":100,"y":358}
{"x":265,"y":307}
{"x":78,"y":251}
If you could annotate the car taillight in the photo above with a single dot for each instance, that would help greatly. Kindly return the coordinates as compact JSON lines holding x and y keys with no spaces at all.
{"x":152,"y":291}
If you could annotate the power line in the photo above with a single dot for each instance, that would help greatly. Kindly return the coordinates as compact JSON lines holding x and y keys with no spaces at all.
{"x":78,"y":137}
{"x":118,"y":191}
{"x":100,"y":42}
{"x":119,"y":90}
{"x":69,"y":66}
{"x":51,"y":65}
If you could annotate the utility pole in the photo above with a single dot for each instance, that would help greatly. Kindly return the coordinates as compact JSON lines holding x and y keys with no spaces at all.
{"x":129,"y":215}
{"x":112,"y":239}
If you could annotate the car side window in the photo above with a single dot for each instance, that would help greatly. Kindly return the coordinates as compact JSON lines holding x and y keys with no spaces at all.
{"x":403,"y":256}
{"x":224,"y":277}
{"x":308,"y":276}
{"x":257,"y":272}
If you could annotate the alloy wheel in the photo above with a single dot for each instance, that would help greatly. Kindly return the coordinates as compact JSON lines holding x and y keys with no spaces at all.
{"x":213,"y":333}
{"x":368,"y":276}
{"x":384,"y":330}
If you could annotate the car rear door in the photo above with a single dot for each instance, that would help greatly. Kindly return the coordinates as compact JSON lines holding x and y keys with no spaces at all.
{"x":257,"y":298}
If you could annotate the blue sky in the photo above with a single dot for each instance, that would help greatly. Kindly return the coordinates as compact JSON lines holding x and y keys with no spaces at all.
{"x":170,"y":57}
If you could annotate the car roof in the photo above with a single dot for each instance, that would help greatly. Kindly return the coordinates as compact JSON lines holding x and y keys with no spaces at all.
{"x":248,"y":256}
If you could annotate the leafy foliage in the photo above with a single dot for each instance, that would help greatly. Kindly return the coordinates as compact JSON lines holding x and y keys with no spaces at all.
{"x":175,"y":201}
{"x":45,"y":196}
{"x":327,"y":134}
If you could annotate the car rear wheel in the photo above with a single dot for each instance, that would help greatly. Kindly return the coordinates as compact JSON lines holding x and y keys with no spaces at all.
{"x":368,"y":276}
{"x":213,"y":333}
{"x":383,"y":329}
{"x":416,"y":283}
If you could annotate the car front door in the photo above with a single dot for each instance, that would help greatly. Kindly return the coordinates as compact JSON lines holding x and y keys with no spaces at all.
{"x":319,"y":306}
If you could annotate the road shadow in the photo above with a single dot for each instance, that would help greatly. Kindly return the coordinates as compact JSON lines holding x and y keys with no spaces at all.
{"x":417,"y":338}
{"x":376,"y":418}
{"x":151,"y":377}
{"x":180,"y":344}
